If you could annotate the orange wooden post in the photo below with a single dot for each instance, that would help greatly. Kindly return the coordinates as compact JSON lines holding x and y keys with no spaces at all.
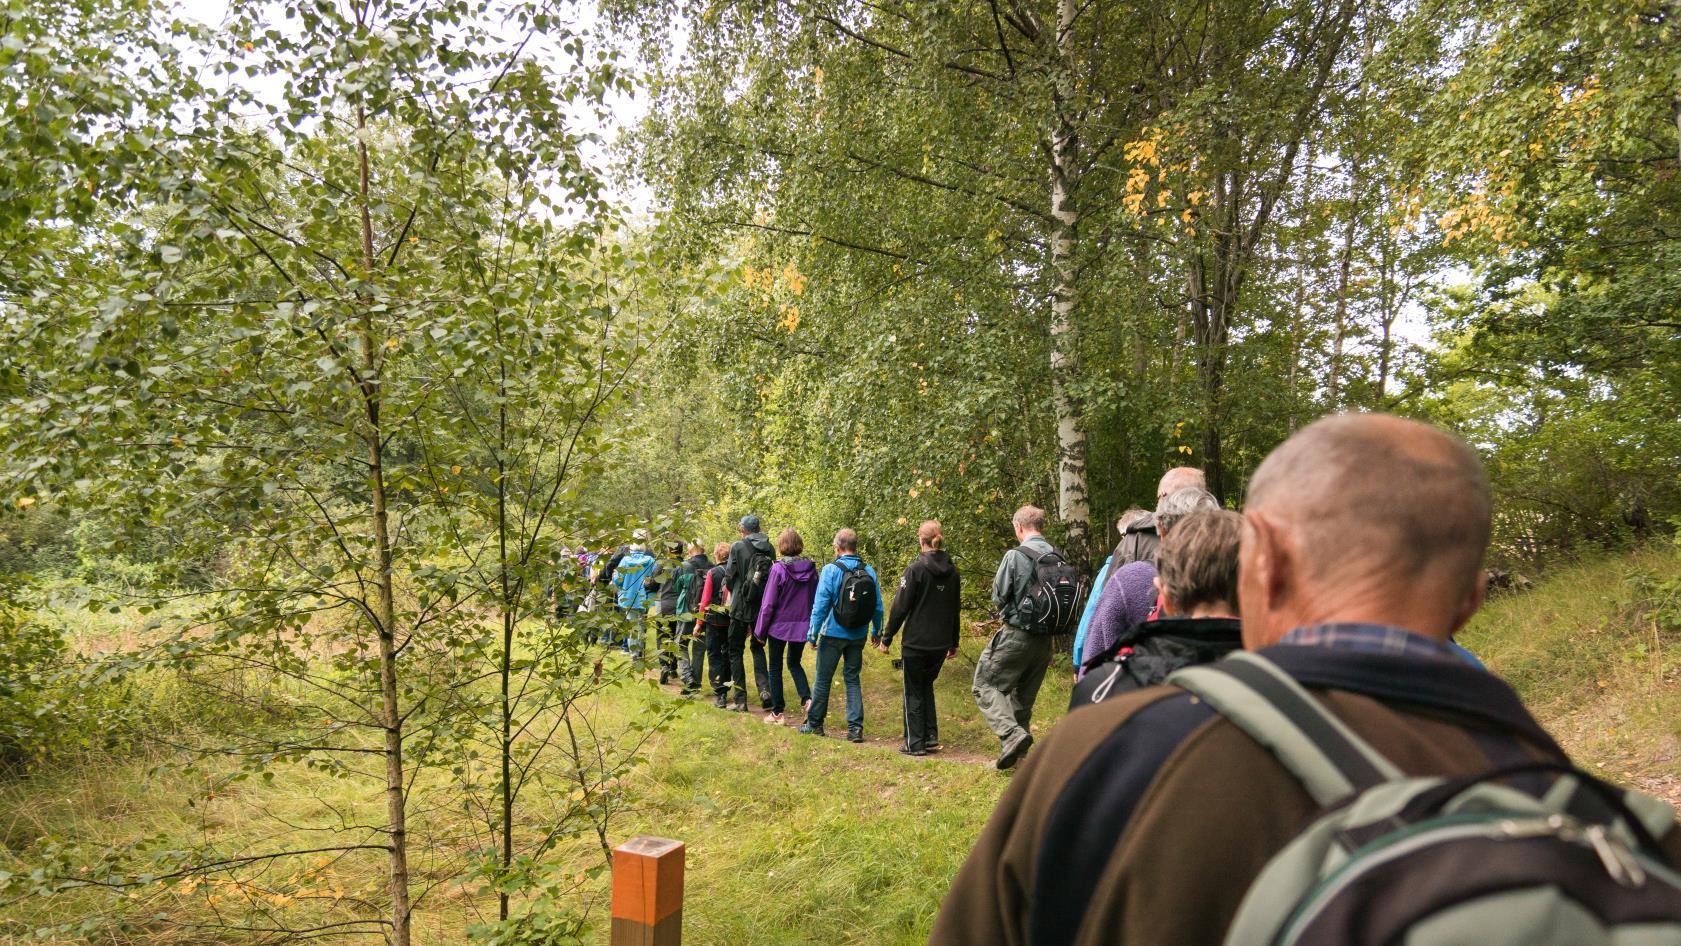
{"x":648,"y":892}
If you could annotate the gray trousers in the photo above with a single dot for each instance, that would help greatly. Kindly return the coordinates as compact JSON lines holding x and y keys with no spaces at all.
{"x":1007,"y":679}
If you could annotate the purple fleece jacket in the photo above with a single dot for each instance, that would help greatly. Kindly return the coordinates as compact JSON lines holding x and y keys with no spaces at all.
{"x":785,"y":612}
{"x":1126,"y":602}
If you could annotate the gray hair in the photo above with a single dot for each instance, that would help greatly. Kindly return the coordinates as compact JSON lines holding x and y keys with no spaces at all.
{"x":1178,"y":478}
{"x":1182,"y":503}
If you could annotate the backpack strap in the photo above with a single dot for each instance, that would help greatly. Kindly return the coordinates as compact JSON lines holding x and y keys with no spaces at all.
{"x":1251,"y":691}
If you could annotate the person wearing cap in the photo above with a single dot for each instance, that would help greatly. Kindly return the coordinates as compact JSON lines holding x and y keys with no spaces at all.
{"x":746,"y":573}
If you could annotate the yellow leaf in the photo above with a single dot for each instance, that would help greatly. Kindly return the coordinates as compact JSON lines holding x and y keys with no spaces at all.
{"x":24,"y":502}
{"x":455,"y":469}
{"x":392,"y":343}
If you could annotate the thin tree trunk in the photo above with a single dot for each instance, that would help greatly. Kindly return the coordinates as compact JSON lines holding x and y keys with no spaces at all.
{"x":1333,"y":387}
{"x":1385,"y":342}
{"x":396,"y":799}
{"x":1072,"y":494}
{"x":1296,"y":321}
{"x":505,"y":670}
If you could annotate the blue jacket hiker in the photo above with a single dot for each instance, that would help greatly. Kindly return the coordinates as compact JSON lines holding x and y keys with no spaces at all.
{"x":823,"y":620}
{"x":837,"y":644}
{"x":630,"y":579}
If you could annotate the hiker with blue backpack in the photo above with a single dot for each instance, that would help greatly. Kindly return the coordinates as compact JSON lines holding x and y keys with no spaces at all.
{"x":1037,"y":594}
{"x":1347,"y":778}
{"x":847,"y":608}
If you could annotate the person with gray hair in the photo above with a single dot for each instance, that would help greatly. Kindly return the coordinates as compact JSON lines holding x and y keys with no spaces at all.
{"x":1359,"y":557}
{"x":1118,"y":605}
{"x":1140,"y":537}
{"x":1012,"y":666}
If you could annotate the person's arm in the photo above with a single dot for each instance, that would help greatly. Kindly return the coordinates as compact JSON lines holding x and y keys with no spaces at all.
{"x":880,"y":611}
{"x":956,"y":615}
{"x":902,"y":600}
{"x":732,"y":564}
{"x":1004,"y":583}
{"x":773,"y":587}
{"x":706,"y":593}
{"x":1089,"y":612}
{"x":823,"y":603}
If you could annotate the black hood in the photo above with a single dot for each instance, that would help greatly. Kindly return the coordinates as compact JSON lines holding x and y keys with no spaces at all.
{"x":938,"y":563}
{"x":761,"y":543}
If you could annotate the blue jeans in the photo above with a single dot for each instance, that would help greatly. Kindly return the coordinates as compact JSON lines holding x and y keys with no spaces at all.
{"x":778,"y":697}
{"x":830,"y":652}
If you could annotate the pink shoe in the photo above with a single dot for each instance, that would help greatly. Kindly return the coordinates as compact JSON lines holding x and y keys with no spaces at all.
{"x":773,"y":719}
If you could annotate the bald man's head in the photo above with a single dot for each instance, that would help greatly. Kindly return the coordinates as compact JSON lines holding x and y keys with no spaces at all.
{"x":1380,"y":504}
{"x":1178,"y":478}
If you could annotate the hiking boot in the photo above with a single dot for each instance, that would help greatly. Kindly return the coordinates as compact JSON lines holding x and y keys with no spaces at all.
{"x":1013,"y":751}
{"x":764,"y":699}
{"x":665,"y":677}
{"x":721,"y":702}
{"x":934,"y":747}
{"x":854,"y":735}
{"x":739,"y":707}
{"x":907,"y":750}
{"x":810,"y":730}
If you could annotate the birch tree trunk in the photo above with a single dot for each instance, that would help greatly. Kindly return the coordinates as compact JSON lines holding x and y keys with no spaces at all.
{"x":385,"y":604}
{"x":1073,"y":498}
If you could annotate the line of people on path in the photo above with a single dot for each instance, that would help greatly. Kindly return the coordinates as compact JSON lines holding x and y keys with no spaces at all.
{"x":772,"y":602}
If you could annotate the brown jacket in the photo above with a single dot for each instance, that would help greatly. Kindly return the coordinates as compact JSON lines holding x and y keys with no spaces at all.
{"x":1143,"y":820}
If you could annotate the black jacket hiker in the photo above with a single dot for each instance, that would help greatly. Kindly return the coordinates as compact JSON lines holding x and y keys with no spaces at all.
{"x":1145,"y":656}
{"x":927,"y":605}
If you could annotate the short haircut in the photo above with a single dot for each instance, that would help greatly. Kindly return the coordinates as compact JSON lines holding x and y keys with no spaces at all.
{"x":1178,"y":478}
{"x":1132,"y":516}
{"x":1373,"y":494}
{"x":931,"y":534}
{"x":1197,"y":560}
{"x":1182,"y":503}
{"x":789,"y":543}
{"x":846,"y":540}
{"x":1029,"y":517}
{"x":721,"y":551}
{"x":695,"y":548}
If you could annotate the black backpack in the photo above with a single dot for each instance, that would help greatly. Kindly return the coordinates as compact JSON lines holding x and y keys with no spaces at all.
{"x":855,"y":604}
{"x":755,"y":574}
{"x":1051,"y":604}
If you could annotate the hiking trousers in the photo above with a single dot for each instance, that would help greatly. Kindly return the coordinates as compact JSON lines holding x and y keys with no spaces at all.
{"x":691,"y":654}
{"x":1007,"y":679}
{"x":740,"y":631}
{"x":718,"y":658}
{"x":921,"y":669}
{"x":761,"y":670}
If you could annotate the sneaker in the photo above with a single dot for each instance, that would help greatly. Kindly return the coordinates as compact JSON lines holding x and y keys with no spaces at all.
{"x":854,"y":735}
{"x":934,"y":747}
{"x":907,"y":750}
{"x":739,"y":707}
{"x":721,"y":702}
{"x":1013,"y":751}
{"x":773,"y":719}
{"x":810,"y":730}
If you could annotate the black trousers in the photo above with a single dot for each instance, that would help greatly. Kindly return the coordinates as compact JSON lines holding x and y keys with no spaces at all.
{"x":718,"y":657}
{"x":761,"y":669}
{"x":921,"y":669}
{"x":693,"y":648}
{"x":740,"y":631}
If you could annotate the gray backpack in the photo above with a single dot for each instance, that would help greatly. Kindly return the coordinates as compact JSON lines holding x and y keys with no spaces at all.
{"x":1404,"y":861}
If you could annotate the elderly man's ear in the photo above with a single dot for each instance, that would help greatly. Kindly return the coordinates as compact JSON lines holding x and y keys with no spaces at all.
{"x":1473,"y":601}
{"x":1265,"y":564}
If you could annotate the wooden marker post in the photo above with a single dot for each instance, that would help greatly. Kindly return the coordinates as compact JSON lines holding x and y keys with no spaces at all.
{"x":648,"y":892}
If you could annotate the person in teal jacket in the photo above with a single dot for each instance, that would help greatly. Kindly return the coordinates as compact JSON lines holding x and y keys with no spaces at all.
{"x":630,"y":580}
{"x":840,"y":645}
{"x":1127,"y":518}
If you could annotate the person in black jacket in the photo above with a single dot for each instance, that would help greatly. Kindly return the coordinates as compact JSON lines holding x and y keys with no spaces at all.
{"x":1196,"y":584}
{"x":927,"y":606}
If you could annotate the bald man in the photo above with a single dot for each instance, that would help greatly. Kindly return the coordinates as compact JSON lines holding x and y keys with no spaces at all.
{"x":1144,"y":819}
{"x":1140,"y":537}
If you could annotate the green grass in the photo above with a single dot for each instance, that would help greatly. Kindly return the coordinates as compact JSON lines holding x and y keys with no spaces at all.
{"x":1595,"y":651}
{"x":802,"y":840}
{"x":790,"y":839}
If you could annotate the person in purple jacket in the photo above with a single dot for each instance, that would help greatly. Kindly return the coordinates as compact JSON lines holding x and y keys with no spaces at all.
{"x":784,"y":617}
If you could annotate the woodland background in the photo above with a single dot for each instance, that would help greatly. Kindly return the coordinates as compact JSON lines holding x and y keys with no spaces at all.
{"x":328,"y":328}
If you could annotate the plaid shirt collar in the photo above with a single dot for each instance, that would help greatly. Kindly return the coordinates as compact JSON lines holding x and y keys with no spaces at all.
{"x":1371,"y":639}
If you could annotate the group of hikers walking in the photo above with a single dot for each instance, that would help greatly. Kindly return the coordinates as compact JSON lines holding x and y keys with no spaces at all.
{"x":770,"y":601}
